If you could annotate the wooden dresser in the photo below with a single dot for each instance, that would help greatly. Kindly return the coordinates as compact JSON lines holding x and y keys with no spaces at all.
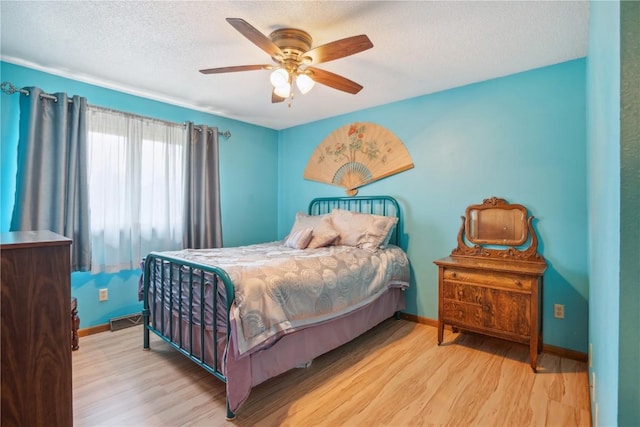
{"x":36,"y":324}
{"x":495,"y":286}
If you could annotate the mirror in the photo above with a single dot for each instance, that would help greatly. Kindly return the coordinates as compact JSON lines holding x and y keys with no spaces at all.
{"x":496,"y":225}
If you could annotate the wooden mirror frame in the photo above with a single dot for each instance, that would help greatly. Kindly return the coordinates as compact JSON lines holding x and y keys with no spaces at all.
{"x":495,"y":222}
{"x":504,"y":224}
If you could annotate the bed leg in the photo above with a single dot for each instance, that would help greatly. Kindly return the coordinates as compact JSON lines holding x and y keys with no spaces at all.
{"x":230,"y":415}
{"x":397,"y":315}
{"x":145,"y":345}
{"x":145,"y":336}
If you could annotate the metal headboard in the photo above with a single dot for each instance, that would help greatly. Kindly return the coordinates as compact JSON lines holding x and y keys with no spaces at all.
{"x":377,"y":205}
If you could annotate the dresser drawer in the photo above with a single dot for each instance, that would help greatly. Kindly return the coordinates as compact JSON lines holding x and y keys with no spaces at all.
{"x":462,"y":313}
{"x":460,"y":292}
{"x":490,"y":278}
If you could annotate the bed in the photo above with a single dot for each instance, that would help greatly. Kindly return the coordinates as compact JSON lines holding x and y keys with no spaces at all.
{"x":250,"y":313}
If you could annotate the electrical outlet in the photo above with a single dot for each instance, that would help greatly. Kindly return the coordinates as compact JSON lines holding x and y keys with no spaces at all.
{"x":593,"y":386}
{"x":558,"y":311}
{"x":103,"y":294}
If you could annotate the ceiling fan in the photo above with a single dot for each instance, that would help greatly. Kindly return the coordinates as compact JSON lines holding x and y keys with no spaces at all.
{"x":290,"y":50}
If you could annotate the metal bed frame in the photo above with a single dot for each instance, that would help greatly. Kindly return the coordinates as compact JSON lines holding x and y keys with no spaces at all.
{"x":166,"y":268}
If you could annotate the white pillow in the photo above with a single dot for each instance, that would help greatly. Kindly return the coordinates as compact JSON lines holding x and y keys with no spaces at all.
{"x":299,"y":239}
{"x":323,"y":231}
{"x":366,"y":231}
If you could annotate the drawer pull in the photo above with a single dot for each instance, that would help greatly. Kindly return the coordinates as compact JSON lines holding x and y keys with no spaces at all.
{"x":518,"y":283}
{"x":453,"y":274}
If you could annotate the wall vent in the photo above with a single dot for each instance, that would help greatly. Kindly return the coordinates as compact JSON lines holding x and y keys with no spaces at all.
{"x":122,"y":322}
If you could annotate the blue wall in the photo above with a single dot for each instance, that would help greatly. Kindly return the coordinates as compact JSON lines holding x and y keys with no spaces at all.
{"x":613,"y":86}
{"x":603,"y":88}
{"x":521,"y":137}
{"x":248,"y":175}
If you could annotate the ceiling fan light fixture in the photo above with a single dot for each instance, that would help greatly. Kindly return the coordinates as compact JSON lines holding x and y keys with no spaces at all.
{"x":279,"y":77}
{"x":304,"y":83}
{"x":291,"y":51}
{"x":283,"y":90}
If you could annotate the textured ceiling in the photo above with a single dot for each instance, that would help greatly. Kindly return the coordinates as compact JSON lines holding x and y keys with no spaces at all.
{"x":155,"y":49}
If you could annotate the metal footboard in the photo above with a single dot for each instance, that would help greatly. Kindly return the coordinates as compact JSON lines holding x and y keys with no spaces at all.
{"x":181,"y":292}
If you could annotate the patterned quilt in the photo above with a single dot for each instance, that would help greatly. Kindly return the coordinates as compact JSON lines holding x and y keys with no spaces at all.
{"x":279,"y":289}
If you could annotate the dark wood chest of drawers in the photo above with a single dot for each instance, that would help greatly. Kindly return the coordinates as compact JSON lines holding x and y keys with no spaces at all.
{"x":36,"y":340}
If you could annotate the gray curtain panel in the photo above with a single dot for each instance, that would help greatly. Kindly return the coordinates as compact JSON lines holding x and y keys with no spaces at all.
{"x":51,"y":183}
{"x":202,"y":224}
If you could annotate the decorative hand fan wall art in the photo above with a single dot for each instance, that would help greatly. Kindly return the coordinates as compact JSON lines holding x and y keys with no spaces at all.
{"x":357,"y":154}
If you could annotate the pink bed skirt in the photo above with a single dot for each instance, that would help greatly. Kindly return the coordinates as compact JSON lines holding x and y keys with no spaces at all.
{"x":304,"y":345}
{"x":291,"y":350}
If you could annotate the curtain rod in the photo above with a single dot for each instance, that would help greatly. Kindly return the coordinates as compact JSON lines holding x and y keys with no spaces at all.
{"x":10,"y":89}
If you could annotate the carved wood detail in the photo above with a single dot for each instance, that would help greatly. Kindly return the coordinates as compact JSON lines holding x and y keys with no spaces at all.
{"x":509,"y":252}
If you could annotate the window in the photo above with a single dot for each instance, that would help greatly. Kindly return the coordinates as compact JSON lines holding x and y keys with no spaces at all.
{"x":135,"y":187}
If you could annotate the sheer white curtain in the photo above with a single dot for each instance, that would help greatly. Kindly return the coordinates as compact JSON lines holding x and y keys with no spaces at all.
{"x":136,"y":187}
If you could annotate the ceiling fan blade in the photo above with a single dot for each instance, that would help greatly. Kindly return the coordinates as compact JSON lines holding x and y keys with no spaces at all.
{"x":235,"y":68}
{"x":276,"y":98}
{"x":333,"y":80}
{"x":339,"y":49}
{"x":256,"y":37}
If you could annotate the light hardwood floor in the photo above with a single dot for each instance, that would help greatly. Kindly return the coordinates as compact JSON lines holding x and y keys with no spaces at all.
{"x":394,"y":375}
